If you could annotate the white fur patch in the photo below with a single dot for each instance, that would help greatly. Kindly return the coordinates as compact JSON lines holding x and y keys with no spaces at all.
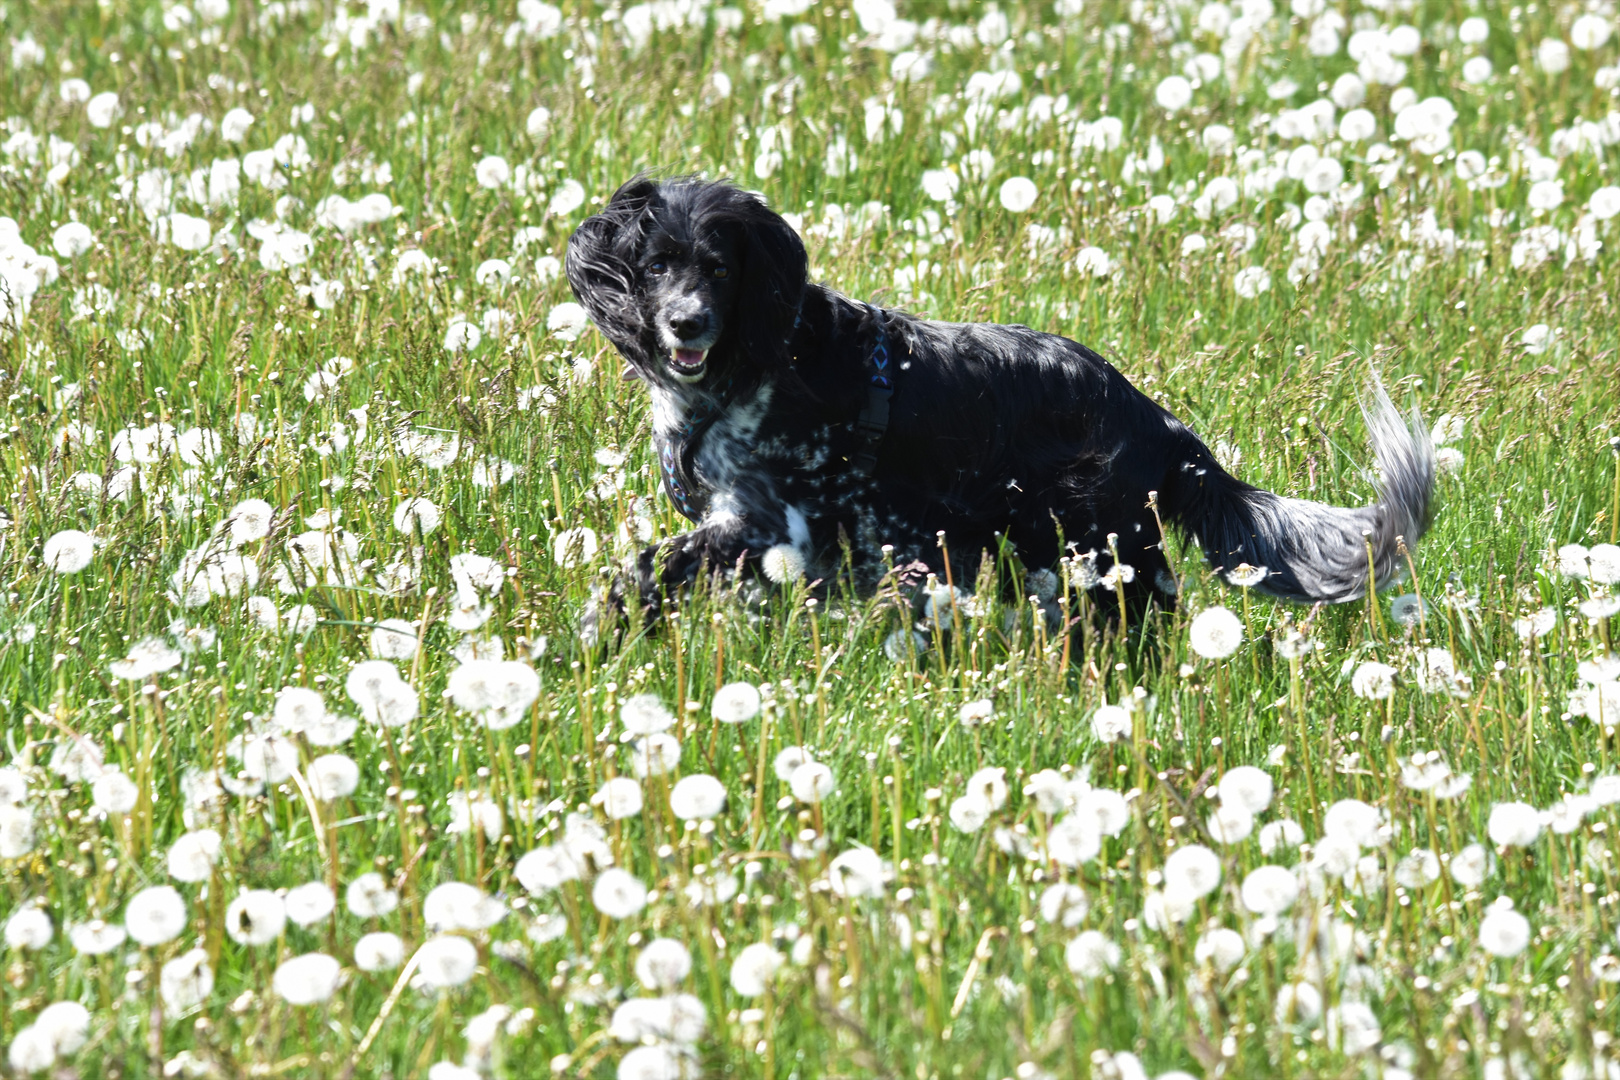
{"x":798,"y":529}
{"x":668,"y":410}
{"x":727,"y":449}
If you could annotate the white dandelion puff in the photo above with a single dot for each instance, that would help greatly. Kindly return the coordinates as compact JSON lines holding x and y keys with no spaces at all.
{"x":618,"y":894}
{"x":379,"y":951}
{"x":736,"y":703}
{"x":1504,"y":932}
{"x":1216,"y":633}
{"x":307,"y":980}
{"x":155,"y":915}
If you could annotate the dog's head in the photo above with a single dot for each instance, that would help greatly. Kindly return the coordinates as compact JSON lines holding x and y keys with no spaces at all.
{"x":689,"y":279}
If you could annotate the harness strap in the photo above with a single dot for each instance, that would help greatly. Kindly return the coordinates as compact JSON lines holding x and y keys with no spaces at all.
{"x":874,"y":418}
{"x":676,"y":453}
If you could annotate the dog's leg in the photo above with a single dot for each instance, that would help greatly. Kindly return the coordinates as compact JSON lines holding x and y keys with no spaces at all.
{"x":662,"y":569}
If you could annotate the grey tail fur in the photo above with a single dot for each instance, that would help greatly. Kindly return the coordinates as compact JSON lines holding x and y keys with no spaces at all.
{"x":1312,"y":552}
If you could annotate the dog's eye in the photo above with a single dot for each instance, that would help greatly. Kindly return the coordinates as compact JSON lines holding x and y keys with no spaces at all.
{"x":721,"y":272}
{"x":658,"y":268}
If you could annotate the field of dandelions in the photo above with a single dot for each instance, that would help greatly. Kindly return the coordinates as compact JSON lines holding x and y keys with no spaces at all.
{"x":310,"y":464}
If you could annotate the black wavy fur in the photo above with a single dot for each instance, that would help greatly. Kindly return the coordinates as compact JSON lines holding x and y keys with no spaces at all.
{"x":995,"y":431}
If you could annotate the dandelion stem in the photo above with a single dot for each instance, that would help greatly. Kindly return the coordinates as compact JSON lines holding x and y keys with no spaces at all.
{"x":678,"y":646}
{"x":1372,"y":587}
{"x":388,"y":1004}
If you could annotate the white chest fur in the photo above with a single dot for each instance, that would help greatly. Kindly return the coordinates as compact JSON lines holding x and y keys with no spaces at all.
{"x":725,"y":461}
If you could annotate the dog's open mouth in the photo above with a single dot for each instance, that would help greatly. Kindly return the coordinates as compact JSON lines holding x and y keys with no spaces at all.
{"x":689,"y":361}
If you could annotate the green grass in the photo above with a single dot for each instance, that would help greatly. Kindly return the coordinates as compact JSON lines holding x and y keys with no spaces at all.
{"x":952,"y":971}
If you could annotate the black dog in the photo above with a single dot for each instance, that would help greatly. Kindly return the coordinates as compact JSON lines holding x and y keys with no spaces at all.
{"x":795,"y":424}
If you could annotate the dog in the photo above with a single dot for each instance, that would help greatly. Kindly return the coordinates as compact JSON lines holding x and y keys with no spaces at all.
{"x":803,"y":432}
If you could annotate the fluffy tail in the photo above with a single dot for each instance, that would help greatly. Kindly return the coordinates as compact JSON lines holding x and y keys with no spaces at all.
{"x":1312,"y":552}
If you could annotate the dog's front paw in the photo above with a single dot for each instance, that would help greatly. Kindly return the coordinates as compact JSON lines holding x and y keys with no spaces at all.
{"x":642,"y":584}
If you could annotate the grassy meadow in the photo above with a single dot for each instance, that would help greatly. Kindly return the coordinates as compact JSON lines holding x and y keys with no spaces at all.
{"x":310,"y":464}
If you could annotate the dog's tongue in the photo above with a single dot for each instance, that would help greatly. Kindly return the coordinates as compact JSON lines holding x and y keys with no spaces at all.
{"x":690,"y":357}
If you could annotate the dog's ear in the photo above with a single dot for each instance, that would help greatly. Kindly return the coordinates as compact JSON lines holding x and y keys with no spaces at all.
{"x":599,"y":264}
{"x":774,"y":280}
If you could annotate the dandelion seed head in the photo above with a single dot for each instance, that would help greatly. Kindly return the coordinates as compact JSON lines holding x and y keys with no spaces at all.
{"x":1192,"y":868}
{"x":697,"y":797}
{"x":902,"y":645}
{"x":1091,"y":955}
{"x":1373,"y":681}
{"x":147,"y":657}
{"x":194,"y":855}
{"x":1417,"y":869}
{"x":788,"y":760}
{"x":63,"y":1027}
{"x":754,"y":968}
{"x":1216,"y":633}
{"x":1470,"y":866}
{"x":1354,"y":1027}
{"x":458,"y":906}
{"x":1503,"y":931}
{"x":645,"y":714}
{"x":309,"y":903}
{"x":1298,"y":1003}
{"x":255,"y":917}
{"x":969,"y":813}
{"x":1101,"y":808}
{"x":811,"y":782}
{"x":659,"y":1061}
{"x":1220,"y":947}
{"x":369,"y":896}
{"x":114,"y":793}
{"x":1247,"y":787}
{"x":28,"y":927}
{"x":416,"y":515}
{"x":736,"y":703}
{"x":663,"y":964}
{"x":1251,"y":281}
{"x":546,"y":869}
{"x":1064,"y":904}
{"x":1407,"y":610}
{"x":186,"y":981}
{"x":655,"y":755}
{"x":1018,"y":194}
{"x":618,"y":894}
{"x":782,"y":564}
{"x":498,"y":692}
{"x":96,"y":937}
{"x":567,"y":321}
{"x":1050,"y":791}
{"x":69,"y":551}
{"x":307,"y":980}
{"x":1173,"y":93}
{"x":574,"y":547}
{"x":1355,"y":821}
{"x":619,"y":798}
{"x":1514,"y":824}
{"x":1074,"y":840}
{"x":155,"y":915}
{"x":858,"y":872}
{"x":379,"y":951}
{"x":1270,"y":890}
{"x":1230,"y":824}
{"x":1111,"y":723}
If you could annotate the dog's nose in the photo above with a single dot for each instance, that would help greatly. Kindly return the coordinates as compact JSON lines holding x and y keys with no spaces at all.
{"x":688,"y":325}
